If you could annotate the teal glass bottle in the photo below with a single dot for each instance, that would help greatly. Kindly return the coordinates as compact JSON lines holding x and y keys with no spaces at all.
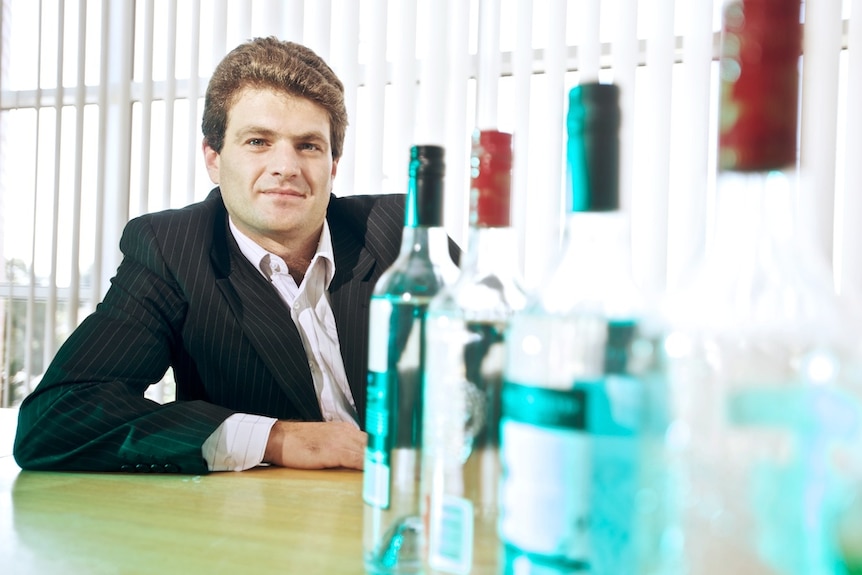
{"x":582,"y":397}
{"x":465,"y":332}
{"x":762,"y":368}
{"x":393,"y":534}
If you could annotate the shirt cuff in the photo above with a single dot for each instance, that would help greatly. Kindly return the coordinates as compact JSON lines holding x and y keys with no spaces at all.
{"x":238,"y":443}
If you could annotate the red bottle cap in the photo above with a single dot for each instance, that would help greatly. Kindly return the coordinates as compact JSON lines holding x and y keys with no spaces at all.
{"x":491,"y":179}
{"x":761,"y":46}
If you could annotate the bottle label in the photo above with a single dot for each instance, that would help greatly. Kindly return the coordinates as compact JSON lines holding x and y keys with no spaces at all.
{"x":460,"y":467}
{"x":376,"y":475}
{"x":450,"y":545}
{"x":570,"y":466}
{"x":379,"y":315}
{"x":813,"y":423}
{"x":394,"y":408}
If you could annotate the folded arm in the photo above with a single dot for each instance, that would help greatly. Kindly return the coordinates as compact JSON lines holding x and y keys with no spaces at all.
{"x":89,"y":411}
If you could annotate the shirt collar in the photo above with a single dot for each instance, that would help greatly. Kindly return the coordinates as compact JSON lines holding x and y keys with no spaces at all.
{"x":261,"y":258}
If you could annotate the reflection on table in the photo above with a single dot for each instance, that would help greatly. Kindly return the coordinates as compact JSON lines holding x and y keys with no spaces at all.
{"x":259,"y":521}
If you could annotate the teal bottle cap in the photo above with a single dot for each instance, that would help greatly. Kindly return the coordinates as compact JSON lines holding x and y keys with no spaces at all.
{"x":593,"y":150}
{"x":425,"y":187}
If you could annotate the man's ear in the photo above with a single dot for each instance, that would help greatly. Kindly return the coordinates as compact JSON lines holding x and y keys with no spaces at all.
{"x":211,"y":159}
{"x":334,"y":168}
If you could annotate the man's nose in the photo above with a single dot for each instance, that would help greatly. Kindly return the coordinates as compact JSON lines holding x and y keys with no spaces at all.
{"x":285,"y":160}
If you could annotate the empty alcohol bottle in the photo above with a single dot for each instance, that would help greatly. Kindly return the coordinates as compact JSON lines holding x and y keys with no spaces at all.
{"x":393,"y":536}
{"x":465,"y":358}
{"x":765,"y":426}
{"x":582,"y":404}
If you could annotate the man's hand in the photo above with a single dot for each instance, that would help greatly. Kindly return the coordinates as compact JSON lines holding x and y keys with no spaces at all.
{"x":315,"y":445}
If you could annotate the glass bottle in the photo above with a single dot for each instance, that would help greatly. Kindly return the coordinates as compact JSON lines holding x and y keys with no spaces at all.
{"x":758,"y":352}
{"x":582,"y":398}
{"x":392,"y":530}
{"x":465,"y":361}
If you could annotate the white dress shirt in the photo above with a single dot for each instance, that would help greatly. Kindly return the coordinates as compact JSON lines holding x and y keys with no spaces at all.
{"x":239,"y":442}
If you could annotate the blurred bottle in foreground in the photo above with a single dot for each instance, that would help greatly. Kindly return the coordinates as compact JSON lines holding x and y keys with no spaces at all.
{"x":582,"y":405}
{"x":759,"y":354}
{"x":393,"y":531}
{"x":465,"y":328}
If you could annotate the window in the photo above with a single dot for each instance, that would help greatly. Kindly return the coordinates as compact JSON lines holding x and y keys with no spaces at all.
{"x":100,"y":106}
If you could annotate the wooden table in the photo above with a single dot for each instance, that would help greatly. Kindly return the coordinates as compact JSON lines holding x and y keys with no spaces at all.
{"x":266,"y":520}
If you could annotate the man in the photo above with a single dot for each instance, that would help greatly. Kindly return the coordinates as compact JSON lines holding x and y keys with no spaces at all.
{"x":257,"y":297}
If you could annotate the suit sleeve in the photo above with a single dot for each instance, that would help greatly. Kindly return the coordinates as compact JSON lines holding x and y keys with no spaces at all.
{"x":89,"y":411}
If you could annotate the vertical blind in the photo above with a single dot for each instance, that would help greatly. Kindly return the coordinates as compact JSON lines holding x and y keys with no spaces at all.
{"x":100,"y":105}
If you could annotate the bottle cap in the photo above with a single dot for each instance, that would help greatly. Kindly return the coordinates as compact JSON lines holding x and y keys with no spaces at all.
{"x":491,"y":179}
{"x":592,"y":149}
{"x":425,"y":188}
{"x":760,"y":50}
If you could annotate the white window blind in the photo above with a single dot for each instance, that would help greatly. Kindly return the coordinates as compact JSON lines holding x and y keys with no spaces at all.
{"x":100,"y":105}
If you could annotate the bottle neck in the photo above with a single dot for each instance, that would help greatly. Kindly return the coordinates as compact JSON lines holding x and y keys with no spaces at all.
{"x":594,"y":236}
{"x":754,"y":215}
{"x":491,"y":250}
{"x":594,"y":270}
{"x":431,"y":242}
{"x":759,"y":271}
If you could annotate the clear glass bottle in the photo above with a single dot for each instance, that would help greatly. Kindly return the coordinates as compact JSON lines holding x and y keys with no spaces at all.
{"x":763,"y":419}
{"x":465,"y":361}
{"x":393,"y":530}
{"x":582,"y":397}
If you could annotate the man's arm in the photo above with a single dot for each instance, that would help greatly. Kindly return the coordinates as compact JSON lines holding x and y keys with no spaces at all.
{"x":244,"y":441}
{"x":89,"y":410}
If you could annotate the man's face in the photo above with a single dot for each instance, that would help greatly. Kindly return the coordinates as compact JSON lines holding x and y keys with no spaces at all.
{"x":275,"y":169}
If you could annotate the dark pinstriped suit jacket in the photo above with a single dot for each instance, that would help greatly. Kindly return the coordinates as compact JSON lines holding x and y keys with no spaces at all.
{"x":184,"y":296}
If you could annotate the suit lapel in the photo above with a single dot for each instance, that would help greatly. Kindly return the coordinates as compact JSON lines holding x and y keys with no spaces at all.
{"x":350,"y":292}
{"x":266,"y":322}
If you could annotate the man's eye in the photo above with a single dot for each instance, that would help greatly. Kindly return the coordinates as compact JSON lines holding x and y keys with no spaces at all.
{"x":256,"y":142}
{"x":309,"y":146}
